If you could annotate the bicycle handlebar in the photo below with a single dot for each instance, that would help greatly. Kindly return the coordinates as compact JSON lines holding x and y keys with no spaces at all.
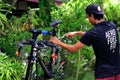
{"x":35,"y":34}
{"x":43,"y":43}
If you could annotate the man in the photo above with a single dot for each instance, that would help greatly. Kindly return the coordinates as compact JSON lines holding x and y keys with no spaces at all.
{"x":105,"y":42}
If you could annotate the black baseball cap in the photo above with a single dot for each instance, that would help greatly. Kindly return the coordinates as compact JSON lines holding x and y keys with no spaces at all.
{"x":94,"y":8}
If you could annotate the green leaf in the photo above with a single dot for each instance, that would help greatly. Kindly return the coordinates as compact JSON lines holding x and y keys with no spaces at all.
{"x":3,"y":17}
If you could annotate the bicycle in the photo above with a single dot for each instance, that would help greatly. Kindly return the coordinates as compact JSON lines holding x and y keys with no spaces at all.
{"x":52,"y":66}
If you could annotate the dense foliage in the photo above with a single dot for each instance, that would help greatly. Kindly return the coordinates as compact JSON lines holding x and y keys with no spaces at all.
{"x":79,"y":66}
{"x":10,"y":68}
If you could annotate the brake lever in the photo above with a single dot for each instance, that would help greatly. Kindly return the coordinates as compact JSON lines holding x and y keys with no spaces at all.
{"x":19,"y":49}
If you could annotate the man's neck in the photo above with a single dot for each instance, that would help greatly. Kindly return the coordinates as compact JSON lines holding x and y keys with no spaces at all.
{"x":99,"y":21}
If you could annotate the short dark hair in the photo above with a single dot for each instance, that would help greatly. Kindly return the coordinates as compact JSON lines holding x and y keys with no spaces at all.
{"x":97,"y":16}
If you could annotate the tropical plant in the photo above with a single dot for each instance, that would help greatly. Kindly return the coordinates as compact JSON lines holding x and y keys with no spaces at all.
{"x":3,"y":19}
{"x":19,"y":31}
{"x":10,"y":68}
{"x":45,"y":12}
{"x":112,"y":11}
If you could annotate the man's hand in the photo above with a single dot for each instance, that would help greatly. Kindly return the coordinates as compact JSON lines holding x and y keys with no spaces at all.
{"x":70,"y":34}
{"x":55,"y":40}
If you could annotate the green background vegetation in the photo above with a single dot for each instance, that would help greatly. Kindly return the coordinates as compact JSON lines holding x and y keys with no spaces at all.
{"x":79,"y":65}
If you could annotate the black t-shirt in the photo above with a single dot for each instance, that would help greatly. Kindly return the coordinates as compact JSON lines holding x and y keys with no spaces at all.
{"x":105,"y":42}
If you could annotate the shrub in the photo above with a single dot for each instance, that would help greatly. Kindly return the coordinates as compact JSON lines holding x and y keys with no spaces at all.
{"x":10,"y":69}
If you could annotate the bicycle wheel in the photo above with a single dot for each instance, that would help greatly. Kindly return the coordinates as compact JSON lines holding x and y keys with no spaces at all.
{"x":57,"y":67}
{"x":54,"y":63}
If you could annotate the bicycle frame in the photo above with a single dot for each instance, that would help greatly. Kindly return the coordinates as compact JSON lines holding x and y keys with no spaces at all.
{"x":35,"y":45}
{"x":34,"y":54}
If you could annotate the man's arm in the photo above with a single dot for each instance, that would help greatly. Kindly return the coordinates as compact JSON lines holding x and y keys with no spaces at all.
{"x":71,"y":48}
{"x":72,"y":34}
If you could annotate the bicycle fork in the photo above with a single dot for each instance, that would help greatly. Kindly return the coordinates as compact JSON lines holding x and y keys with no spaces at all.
{"x":31,"y":59}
